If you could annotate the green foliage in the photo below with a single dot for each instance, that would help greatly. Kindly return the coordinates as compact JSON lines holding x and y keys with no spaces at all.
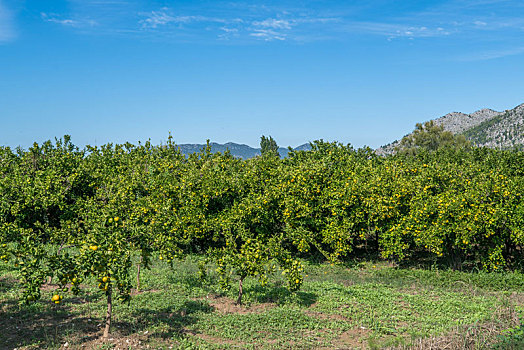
{"x":511,"y":339}
{"x":268,"y":147}
{"x":430,"y":136}
{"x":70,"y":215}
{"x":368,"y":303}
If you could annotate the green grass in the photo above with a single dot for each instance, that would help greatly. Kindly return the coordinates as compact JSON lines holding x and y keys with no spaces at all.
{"x":366,"y":305}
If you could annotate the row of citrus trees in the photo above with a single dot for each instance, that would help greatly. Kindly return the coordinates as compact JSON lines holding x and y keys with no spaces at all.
{"x":69,"y":214}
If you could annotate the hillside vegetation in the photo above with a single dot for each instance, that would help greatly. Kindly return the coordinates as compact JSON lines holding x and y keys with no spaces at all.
{"x":505,"y":130}
{"x":483,"y":128}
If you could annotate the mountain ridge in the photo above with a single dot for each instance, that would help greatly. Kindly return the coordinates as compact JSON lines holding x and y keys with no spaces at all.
{"x":484,"y":128}
{"x":236,"y":149}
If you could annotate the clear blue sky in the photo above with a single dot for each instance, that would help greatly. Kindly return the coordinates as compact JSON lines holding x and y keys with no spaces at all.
{"x":360,"y":72}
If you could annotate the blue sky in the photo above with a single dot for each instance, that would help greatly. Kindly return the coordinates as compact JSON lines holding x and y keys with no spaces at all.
{"x":359,"y":72}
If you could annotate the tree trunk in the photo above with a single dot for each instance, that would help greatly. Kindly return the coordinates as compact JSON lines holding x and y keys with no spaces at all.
{"x":456,"y":259}
{"x":109,"y":312}
{"x":138,"y":275}
{"x":240,"y":291}
{"x":377,"y":242}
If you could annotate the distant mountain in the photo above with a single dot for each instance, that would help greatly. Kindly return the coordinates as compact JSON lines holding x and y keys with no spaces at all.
{"x":304,"y":147}
{"x":237,"y":150}
{"x":458,"y":122}
{"x":485,"y":127}
{"x":504,"y":130}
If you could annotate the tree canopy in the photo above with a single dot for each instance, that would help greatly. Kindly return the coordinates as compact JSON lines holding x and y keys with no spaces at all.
{"x":430,"y":136}
{"x":268,"y":146}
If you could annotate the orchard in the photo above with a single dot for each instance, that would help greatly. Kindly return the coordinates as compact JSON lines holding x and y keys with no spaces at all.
{"x":71,"y":215}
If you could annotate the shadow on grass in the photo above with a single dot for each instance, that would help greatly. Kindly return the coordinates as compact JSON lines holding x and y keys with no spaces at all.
{"x":194,"y":281}
{"x":7,"y":284}
{"x":45,"y":325}
{"x":168,"y":322}
{"x":272,"y":293}
{"x":40,"y":324}
{"x":279,"y":295}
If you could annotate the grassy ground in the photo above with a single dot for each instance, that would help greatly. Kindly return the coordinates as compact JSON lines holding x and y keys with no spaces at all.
{"x":367,"y":305}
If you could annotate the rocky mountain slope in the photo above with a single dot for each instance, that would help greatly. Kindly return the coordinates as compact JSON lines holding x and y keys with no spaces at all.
{"x":458,"y":122}
{"x":504,"y":130}
{"x":485,"y":127}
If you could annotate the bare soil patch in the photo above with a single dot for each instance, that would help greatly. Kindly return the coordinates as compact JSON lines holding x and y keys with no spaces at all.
{"x":355,"y":338}
{"x":227,"y":306}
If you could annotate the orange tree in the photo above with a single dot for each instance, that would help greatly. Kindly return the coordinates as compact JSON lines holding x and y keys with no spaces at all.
{"x":243,"y":202}
{"x":111,"y":227}
{"x":156,"y":178}
{"x":462,"y":208}
{"x":318,"y":199}
{"x":68,"y":215}
{"x":40,"y":191}
{"x":337,"y":198}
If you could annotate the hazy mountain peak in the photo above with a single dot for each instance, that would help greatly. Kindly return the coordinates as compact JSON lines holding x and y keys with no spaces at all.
{"x":236,"y":149}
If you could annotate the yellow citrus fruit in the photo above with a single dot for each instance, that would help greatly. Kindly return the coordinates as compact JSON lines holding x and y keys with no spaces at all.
{"x":93,"y":247}
{"x":116,"y":218}
{"x":105,"y":279}
{"x":55,"y":298}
